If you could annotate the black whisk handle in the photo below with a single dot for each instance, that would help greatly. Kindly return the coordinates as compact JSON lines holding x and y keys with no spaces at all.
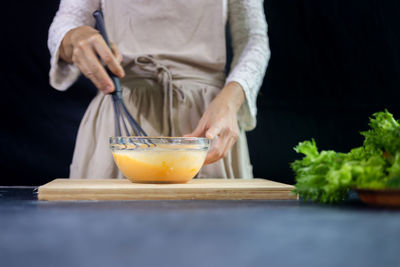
{"x":98,"y":16}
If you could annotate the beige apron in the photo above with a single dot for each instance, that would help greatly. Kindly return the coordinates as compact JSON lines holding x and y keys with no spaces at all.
{"x":174,"y":58}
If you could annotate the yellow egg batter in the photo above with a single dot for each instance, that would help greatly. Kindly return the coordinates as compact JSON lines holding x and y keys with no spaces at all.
{"x":159,"y":166}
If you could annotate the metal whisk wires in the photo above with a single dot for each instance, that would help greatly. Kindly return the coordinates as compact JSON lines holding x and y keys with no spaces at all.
{"x":123,"y":119}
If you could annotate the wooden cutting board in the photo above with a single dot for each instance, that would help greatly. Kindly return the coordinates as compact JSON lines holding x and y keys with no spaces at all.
{"x":122,"y":189}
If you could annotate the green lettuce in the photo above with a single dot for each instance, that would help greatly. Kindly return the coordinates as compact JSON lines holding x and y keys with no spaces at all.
{"x":327,"y":176}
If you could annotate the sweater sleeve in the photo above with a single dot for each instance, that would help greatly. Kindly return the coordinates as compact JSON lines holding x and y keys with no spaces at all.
{"x":71,"y":14}
{"x":250,"y":54}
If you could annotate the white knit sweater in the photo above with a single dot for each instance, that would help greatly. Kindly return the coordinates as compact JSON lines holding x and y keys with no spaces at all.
{"x":249,"y":41}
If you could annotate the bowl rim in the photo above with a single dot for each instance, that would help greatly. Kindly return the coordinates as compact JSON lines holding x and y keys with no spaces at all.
{"x":378,"y":191}
{"x":160,"y":137}
{"x":199,"y":142}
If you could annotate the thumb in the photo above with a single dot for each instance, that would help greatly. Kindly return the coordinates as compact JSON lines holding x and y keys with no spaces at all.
{"x":198,"y":132}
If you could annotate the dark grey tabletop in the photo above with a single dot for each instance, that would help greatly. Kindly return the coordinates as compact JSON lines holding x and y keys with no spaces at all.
{"x":194,"y":233}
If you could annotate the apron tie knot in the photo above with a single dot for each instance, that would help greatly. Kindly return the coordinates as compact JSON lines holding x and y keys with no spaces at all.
{"x":164,"y":77}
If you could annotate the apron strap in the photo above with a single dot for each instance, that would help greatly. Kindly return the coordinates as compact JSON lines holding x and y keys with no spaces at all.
{"x":153,"y":69}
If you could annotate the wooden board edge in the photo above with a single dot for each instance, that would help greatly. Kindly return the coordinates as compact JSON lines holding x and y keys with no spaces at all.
{"x":47,"y":193}
{"x":151,"y":190}
{"x":276,"y":195}
{"x":84,"y":181}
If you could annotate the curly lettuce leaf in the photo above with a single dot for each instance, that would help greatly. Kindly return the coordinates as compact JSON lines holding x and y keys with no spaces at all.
{"x":393,"y":180}
{"x":320,"y":176}
{"x":384,"y":134}
{"x":327,"y":176}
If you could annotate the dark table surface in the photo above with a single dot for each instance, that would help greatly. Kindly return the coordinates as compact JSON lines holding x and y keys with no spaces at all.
{"x":194,"y":233}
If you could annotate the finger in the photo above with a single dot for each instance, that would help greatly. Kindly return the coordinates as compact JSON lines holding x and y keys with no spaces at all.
{"x":81,"y":62}
{"x":218,"y":146}
{"x":213,"y":132}
{"x":108,"y":58}
{"x":233,"y":135}
{"x":229,"y":144}
{"x":217,"y":150}
{"x":116,"y":52}
{"x":198,"y":132}
{"x":94,"y":70}
{"x":221,"y":147}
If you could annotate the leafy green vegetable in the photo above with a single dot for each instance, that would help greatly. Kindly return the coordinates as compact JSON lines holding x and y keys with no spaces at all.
{"x":327,"y":176}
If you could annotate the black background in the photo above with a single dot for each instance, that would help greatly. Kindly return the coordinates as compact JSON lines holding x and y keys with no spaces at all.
{"x":333,"y":64}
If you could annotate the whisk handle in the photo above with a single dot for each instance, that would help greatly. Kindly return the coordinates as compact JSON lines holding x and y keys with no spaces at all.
{"x":98,"y":16}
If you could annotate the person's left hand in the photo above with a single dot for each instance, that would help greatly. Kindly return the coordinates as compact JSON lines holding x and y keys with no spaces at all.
{"x":219,"y":122}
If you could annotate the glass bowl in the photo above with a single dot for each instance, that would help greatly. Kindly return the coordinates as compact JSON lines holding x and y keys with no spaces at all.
{"x":159,"y":159}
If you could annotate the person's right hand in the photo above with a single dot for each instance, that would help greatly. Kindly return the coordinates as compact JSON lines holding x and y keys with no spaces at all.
{"x":82,"y":46}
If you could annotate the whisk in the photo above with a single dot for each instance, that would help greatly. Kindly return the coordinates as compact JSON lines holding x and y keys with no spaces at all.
{"x":122,"y":117}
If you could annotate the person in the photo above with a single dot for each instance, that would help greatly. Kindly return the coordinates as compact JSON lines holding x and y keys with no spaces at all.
{"x":164,"y":50}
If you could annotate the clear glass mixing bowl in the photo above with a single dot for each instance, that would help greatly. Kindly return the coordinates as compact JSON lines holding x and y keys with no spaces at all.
{"x":159,"y":159}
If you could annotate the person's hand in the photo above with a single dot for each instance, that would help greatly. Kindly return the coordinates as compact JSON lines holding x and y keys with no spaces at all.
{"x":82,"y":46}
{"x":219,"y":122}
